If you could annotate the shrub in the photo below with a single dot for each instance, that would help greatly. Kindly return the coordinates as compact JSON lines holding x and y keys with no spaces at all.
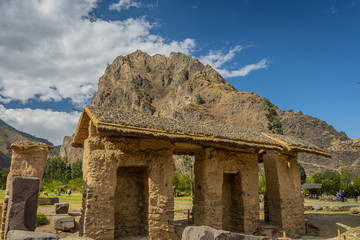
{"x":40,"y":219}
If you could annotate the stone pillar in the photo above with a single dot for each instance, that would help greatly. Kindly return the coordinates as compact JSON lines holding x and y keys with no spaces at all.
{"x":22,"y":206}
{"x":208,"y":188}
{"x":100,"y":177}
{"x":161,"y":197}
{"x":28,"y":160}
{"x":284,"y":203}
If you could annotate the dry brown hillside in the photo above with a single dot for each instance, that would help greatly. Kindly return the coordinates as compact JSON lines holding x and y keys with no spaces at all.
{"x":181,"y":87}
{"x":8,"y":135}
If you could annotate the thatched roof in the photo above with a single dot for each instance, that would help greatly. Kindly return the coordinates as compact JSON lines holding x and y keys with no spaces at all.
{"x":115,"y":121}
{"x":312,"y":185}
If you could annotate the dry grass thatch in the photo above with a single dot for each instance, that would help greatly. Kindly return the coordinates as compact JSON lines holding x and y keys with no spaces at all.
{"x":139,"y":125}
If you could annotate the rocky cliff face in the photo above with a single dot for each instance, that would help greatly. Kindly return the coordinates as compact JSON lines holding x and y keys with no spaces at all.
{"x":68,"y":152}
{"x":181,"y":87}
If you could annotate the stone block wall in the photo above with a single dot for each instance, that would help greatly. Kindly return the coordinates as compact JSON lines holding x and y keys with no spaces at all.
{"x":283,"y":199}
{"x":131,"y":201}
{"x":28,"y":160}
{"x":226,"y":185}
{"x":105,"y":160}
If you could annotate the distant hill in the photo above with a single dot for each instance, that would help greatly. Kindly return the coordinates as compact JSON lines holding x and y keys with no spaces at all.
{"x":8,"y":135}
{"x":181,"y":87}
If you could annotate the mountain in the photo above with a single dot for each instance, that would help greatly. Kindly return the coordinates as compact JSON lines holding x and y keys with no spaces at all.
{"x":8,"y":135}
{"x":181,"y":87}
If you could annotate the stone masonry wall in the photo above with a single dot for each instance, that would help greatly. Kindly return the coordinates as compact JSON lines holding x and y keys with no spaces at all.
{"x":28,"y":160}
{"x":285,"y":207}
{"x":131,"y":202}
{"x":102,"y":158}
{"x":217,"y":172}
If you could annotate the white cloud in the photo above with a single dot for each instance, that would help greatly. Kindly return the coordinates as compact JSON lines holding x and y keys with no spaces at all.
{"x":52,"y":50}
{"x":124,"y":5}
{"x":47,"y":124}
{"x":218,"y":58}
{"x":242,"y":72}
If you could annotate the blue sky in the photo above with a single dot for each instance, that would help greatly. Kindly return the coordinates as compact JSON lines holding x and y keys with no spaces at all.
{"x":302,"y":55}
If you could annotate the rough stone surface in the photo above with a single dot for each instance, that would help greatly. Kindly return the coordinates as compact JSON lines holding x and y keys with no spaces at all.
{"x":48,"y":201}
{"x":338,"y":208}
{"x":70,"y":153}
{"x":28,"y":160}
{"x":181,"y":87}
{"x":355,"y":210}
{"x":61,"y":208}
{"x":317,"y":207}
{"x":64,"y":222}
{"x":22,"y":205}
{"x":208,"y":233}
{"x":105,"y":160}
{"x":76,"y":238}
{"x":284,"y":205}
{"x":28,"y":235}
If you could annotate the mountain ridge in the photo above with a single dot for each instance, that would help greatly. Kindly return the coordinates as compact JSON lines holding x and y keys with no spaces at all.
{"x":181,"y":87}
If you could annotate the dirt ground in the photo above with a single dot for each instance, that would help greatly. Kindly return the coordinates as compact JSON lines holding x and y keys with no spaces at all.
{"x":322,"y":225}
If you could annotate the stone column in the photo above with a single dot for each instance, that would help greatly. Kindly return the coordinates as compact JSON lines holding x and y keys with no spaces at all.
{"x":208,"y":188}
{"x":284,"y":203}
{"x":28,"y":160}
{"x":161,"y":197}
{"x":100,"y":178}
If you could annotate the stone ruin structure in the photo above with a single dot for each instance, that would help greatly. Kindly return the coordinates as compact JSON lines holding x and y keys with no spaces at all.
{"x":23,"y":183}
{"x":128,"y":172}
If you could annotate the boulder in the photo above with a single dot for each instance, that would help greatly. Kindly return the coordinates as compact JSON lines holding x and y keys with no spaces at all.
{"x":61,"y":208}
{"x":355,"y":210}
{"x":64,"y":222}
{"x":28,"y":235}
{"x":22,"y":204}
{"x":48,"y":201}
{"x":308,"y":207}
{"x":208,"y":233}
{"x":76,"y":238}
{"x":317,"y":207}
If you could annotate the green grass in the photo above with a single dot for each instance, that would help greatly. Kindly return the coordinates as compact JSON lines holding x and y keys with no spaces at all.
{"x":184,"y":198}
{"x":2,"y":195}
{"x":74,"y":200}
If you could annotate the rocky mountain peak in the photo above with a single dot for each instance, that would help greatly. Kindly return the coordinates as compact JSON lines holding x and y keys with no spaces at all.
{"x":182,"y":87}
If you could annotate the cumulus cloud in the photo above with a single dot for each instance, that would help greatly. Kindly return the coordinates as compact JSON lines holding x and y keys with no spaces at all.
{"x":124,"y":5}
{"x":47,"y":124}
{"x":218,"y":58}
{"x":52,"y":50}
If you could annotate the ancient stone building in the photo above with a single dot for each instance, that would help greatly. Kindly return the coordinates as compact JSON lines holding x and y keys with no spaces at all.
{"x":28,"y":160}
{"x":128,"y":173}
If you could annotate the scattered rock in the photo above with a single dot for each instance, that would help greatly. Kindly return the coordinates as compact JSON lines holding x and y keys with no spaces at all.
{"x":47,"y":201}
{"x":61,"y":208}
{"x":28,"y":235}
{"x":355,"y":210}
{"x":339,"y":208}
{"x":64,"y":222}
{"x":45,"y":193}
{"x":317,"y":207}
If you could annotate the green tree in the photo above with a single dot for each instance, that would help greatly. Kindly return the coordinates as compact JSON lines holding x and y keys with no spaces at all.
{"x":3,"y":176}
{"x":76,"y":169}
{"x":274,"y":124}
{"x":262,"y":181}
{"x":302,"y":173}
